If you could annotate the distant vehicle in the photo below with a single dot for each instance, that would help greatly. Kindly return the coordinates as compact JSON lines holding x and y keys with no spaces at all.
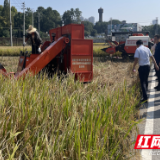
{"x":127,"y":45}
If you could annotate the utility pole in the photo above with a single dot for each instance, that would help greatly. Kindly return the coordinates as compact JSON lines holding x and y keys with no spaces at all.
{"x":24,"y":22}
{"x":10,"y":23}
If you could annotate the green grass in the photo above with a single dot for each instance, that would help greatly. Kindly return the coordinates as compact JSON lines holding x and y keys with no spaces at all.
{"x":15,"y":51}
{"x":12,"y":51}
{"x":43,"y":118}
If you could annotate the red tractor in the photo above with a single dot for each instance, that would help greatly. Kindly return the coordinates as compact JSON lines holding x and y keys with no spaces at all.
{"x":67,"y":50}
{"x":127,"y":45}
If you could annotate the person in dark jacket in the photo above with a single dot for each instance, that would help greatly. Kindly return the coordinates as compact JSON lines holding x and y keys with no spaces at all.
{"x":157,"y":58}
{"x":35,"y":40}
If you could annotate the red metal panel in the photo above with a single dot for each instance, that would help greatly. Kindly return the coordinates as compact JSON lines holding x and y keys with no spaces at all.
{"x":81,"y":63}
{"x":67,"y":29}
{"x":82,"y":59}
{"x":81,"y":47}
{"x":75,"y":30}
{"x":57,"y":31}
{"x":31,"y":58}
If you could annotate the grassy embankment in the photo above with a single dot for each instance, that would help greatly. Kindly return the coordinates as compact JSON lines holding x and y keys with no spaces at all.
{"x":43,"y":118}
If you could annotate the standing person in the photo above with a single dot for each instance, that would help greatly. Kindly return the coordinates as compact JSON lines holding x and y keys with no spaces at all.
{"x":153,"y":52}
{"x":153,"y":49}
{"x":157,"y":58}
{"x":142,"y":55}
{"x":35,"y":40}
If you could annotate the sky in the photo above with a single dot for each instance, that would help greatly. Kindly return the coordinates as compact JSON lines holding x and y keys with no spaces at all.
{"x":133,"y":11}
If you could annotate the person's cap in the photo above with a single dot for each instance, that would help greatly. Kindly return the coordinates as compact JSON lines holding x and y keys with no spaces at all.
{"x":31,"y":29}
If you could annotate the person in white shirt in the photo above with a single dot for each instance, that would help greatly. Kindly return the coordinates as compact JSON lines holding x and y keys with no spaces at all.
{"x":142,"y":55}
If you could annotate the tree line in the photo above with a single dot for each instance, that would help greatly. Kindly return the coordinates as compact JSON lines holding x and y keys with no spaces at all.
{"x":49,"y":19}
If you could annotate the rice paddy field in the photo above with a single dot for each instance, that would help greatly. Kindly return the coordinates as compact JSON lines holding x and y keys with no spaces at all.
{"x":59,"y":119}
{"x":15,"y":51}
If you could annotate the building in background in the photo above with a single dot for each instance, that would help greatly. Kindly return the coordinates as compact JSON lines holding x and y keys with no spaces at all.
{"x":124,"y":27}
{"x":92,"y":20}
{"x":82,"y":18}
{"x":100,"y":11}
{"x":155,"y":21}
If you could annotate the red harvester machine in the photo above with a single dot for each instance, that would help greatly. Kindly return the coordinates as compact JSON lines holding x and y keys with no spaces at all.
{"x":127,"y":47}
{"x":67,"y":50}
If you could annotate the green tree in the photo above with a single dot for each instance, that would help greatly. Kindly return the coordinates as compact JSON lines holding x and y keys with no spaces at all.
{"x":71,"y":16}
{"x":78,"y":14}
{"x":101,"y":27}
{"x":5,"y":33}
{"x":88,"y":26}
{"x":93,"y":32}
{"x":13,"y":13}
{"x":28,"y":17}
{"x":5,"y":12}
{"x":18,"y":20}
{"x":151,"y":29}
{"x":2,"y":18}
{"x":115,"y":21}
{"x":1,"y":9}
{"x":86,"y":33}
{"x":48,"y":19}
{"x":67,"y":17}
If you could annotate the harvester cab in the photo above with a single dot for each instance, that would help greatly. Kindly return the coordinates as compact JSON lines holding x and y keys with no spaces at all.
{"x":66,"y":51}
{"x":125,"y":42}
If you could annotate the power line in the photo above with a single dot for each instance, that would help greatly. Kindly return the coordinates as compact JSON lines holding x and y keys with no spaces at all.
{"x":18,"y":4}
